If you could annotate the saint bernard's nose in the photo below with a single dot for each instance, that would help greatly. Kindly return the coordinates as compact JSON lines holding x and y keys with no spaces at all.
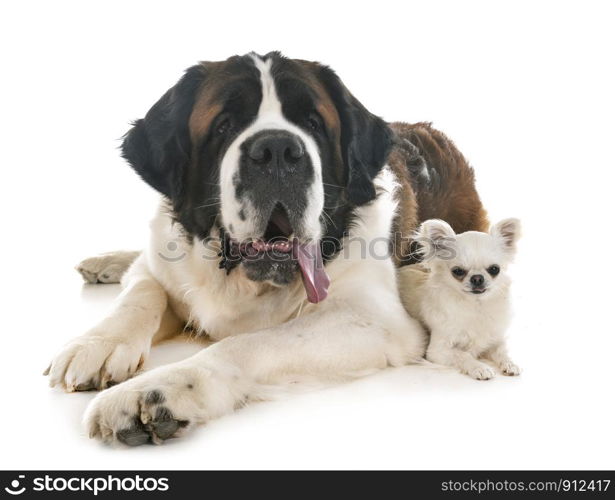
{"x":275,"y":149}
{"x":275,"y":167}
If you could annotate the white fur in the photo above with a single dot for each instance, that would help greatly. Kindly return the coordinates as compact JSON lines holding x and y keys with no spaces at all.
{"x":267,"y":336}
{"x":465,"y":327}
{"x":362,"y":326}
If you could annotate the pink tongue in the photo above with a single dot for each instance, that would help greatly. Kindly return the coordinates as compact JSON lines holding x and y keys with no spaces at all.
{"x":315,"y":279}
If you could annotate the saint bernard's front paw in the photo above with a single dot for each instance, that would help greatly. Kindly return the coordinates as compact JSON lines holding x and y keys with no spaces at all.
{"x":163,"y":403}
{"x":96,"y":361}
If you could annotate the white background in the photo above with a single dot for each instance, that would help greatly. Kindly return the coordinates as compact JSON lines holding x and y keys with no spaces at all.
{"x":525,"y":89}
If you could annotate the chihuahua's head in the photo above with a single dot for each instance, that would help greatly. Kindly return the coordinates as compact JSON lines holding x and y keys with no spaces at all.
{"x":473,"y":263}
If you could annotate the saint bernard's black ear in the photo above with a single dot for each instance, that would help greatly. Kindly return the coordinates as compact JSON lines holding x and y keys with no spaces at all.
{"x":158,"y":146}
{"x":366,"y":139}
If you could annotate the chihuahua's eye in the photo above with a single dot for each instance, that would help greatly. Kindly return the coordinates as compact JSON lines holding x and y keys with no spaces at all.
{"x":224,"y":127}
{"x":458,"y":272}
{"x":493,"y":270}
{"x":313,"y":122}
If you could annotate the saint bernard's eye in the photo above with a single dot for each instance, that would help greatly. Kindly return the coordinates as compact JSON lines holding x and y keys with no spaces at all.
{"x":224,"y":127}
{"x":313,"y":122}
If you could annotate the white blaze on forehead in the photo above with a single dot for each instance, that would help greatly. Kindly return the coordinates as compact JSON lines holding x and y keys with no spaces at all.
{"x":269,"y":117}
{"x":270,"y":105}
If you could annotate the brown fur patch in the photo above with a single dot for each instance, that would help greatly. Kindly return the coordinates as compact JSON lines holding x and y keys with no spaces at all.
{"x":205,"y":107}
{"x":328,"y":111}
{"x":325,"y":106}
{"x":405,"y":223}
{"x":448,"y":193}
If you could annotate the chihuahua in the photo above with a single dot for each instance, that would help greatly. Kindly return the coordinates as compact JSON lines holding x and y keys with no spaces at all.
{"x":460,"y":292}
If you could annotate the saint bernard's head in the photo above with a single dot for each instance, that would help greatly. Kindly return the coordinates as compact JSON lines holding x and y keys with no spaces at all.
{"x":271,"y":153}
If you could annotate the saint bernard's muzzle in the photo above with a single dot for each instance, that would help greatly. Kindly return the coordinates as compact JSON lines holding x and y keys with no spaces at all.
{"x":266,"y":153}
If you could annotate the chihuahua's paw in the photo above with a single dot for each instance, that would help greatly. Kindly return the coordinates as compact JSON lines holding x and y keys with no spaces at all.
{"x":481,"y":371}
{"x":510,"y":369}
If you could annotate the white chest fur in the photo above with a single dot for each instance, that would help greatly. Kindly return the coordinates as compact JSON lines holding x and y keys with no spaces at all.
{"x":223,"y":305}
{"x":201,"y":293}
{"x":467,"y":322}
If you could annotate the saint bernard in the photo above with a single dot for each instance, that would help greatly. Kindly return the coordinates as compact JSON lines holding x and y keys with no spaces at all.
{"x":286,"y":209}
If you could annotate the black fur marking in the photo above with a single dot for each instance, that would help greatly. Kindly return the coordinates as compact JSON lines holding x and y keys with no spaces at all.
{"x":414,"y":256}
{"x":158,"y":146}
{"x":229,"y":260}
{"x":417,"y":166}
{"x":154,"y":397}
{"x":423,"y":176}
{"x":160,"y":150}
{"x":366,"y":140}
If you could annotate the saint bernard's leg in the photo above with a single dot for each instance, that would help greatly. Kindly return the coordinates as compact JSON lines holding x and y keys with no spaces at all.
{"x":116,"y":348}
{"x":107,"y":267}
{"x":361,"y":327}
{"x":339,"y":339}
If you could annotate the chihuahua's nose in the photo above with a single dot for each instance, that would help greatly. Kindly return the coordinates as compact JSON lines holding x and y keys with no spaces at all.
{"x":477,"y":280}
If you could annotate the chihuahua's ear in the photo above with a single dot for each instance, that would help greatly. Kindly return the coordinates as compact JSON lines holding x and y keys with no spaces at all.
{"x":508,"y":231}
{"x":436,"y":239}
